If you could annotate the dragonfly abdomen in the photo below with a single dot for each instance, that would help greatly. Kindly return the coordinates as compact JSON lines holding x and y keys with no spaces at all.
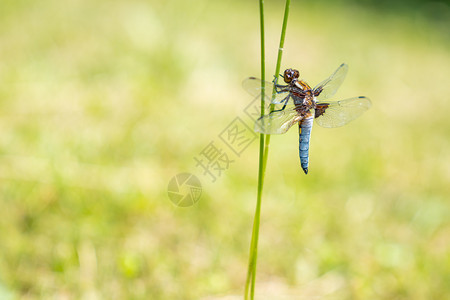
{"x":305,"y":127}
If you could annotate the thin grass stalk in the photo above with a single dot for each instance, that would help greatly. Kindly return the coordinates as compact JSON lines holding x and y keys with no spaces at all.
{"x":264,"y":142}
{"x":255,"y":232}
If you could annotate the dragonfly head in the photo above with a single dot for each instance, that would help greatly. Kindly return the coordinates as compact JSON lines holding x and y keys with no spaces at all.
{"x":290,"y":74}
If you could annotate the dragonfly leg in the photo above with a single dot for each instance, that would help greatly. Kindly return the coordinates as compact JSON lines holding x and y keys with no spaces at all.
{"x":281,"y":88}
{"x":275,"y":80}
{"x":276,"y":85}
{"x":285,"y":103}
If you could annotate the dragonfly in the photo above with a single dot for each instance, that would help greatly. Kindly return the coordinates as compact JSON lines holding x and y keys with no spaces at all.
{"x":302,"y":104}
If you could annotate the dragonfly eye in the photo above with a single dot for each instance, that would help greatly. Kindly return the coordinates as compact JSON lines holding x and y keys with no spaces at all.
{"x":288,"y":75}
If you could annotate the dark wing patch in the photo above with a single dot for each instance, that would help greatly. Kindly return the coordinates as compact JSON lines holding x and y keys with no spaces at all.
{"x":320,"y":109}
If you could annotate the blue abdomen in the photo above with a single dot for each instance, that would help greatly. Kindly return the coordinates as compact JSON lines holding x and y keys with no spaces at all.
{"x":305,"y":127}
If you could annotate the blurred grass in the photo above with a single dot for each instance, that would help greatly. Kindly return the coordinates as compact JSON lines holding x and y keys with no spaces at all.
{"x":101,"y":103}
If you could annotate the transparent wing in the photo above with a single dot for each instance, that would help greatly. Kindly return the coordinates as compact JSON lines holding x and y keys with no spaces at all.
{"x":339,"y":113}
{"x":329,"y":86}
{"x":277,"y":122}
{"x":253,"y":86}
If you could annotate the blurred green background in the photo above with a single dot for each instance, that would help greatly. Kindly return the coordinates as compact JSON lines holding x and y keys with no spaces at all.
{"x":103,"y":102}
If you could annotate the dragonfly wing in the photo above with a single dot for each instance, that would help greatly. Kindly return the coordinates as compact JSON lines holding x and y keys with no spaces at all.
{"x":253,"y":86}
{"x":339,"y":113}
{"x":277,"y":122}
{"x":329,"y":86}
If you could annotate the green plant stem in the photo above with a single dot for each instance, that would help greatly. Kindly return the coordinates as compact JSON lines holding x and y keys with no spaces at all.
{"x":255,"y":232}
{"x":264,"y":142}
